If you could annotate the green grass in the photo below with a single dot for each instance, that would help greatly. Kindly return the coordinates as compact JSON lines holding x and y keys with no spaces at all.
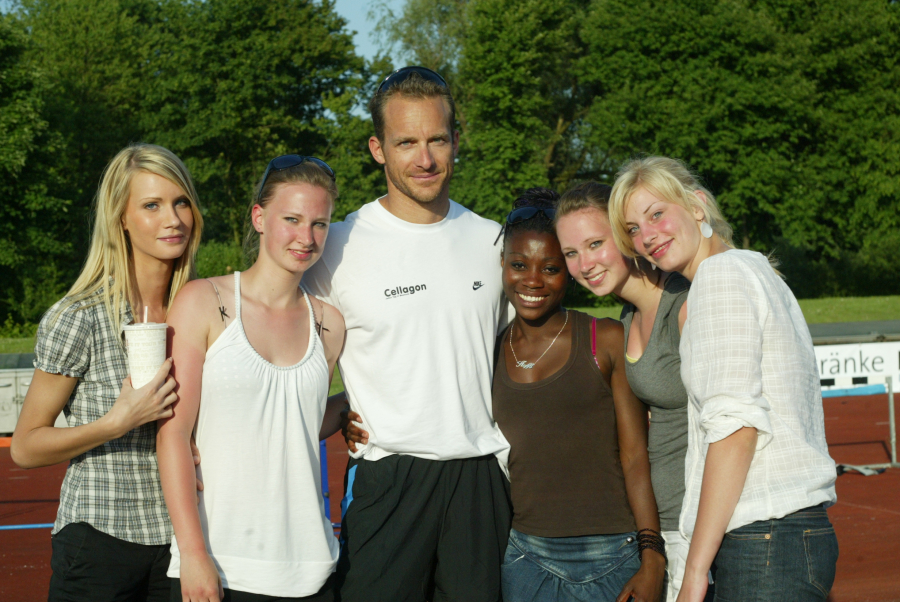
{"x":336,"y":384}
{"x":850,"y":309}
{"x":816,"y":311}
{"x":25,"y":345}
{"x":602,"y":312}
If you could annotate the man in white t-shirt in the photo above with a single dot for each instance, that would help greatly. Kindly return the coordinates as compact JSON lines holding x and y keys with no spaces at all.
{"x":417,"y":279}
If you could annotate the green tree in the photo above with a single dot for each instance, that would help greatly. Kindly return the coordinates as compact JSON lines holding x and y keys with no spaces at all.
{"x":425,"y":32}
{"x":517,"y":99}
{"x":509,"y":65}
{"x":716,"y":84}
{"x":788,"y":110}
{"x":31,"y":218}
{"x":359,"y":178}
{"x":92,"y":52}
{"x":226,"y":85}
{"x":233,"y":83}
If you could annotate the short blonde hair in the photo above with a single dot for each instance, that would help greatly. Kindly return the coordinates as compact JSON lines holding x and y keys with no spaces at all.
{"x":108,"y":264}
{"x":671,"y":180}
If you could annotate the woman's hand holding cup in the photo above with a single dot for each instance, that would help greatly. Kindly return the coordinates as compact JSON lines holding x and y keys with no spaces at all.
{"x":135,"y":407}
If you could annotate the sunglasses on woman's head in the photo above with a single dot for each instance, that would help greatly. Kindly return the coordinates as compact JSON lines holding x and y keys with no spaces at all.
{"x":526,"y":213}
{"x":288,"y":161}
{"x":401,"y":75}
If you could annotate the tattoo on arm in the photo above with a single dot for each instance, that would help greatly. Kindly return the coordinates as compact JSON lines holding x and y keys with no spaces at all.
{"x":222,"y":313}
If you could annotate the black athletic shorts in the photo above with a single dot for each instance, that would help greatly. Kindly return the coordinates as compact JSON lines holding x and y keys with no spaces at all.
{"x":92,"y":566}
{"x":417,"y":530}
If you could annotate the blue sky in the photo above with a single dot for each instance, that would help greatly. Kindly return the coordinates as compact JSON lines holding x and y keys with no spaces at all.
{"x":356,"y":12}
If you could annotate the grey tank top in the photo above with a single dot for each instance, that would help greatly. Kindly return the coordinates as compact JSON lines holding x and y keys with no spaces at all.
{"x":656,"y":380}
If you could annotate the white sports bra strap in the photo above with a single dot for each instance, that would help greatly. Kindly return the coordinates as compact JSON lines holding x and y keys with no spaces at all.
{"x":237,"y":295}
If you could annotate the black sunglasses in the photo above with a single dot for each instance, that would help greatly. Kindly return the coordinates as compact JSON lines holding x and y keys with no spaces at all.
{"x":404,"y":73}
{"x":288,"y":161}
{"x":525,"y":213}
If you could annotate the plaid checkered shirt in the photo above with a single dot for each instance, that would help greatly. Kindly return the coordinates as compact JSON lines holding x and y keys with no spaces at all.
{"x":114,"y":487}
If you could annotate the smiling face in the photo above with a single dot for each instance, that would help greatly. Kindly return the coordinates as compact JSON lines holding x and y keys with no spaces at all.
{"x":157,"y":219}
{"x":418,"y":149}
{"x":294,"y":225}
{"x":666,"y":233}
{"x":591,"y":255}
{"x":534,"y":273}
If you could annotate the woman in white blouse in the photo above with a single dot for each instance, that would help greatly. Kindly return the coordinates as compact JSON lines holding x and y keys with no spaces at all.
{"x":758,"y":474}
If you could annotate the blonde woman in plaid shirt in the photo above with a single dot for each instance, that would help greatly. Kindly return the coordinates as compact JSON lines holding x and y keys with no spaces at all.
{"x":758,"y":475}
{"x":112,"y":531}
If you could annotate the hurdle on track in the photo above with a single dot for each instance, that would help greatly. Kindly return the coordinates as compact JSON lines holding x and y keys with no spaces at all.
{"x":844,"y":387}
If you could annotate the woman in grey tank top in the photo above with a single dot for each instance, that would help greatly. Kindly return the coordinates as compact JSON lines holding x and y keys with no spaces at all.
{"x":652,"y":318}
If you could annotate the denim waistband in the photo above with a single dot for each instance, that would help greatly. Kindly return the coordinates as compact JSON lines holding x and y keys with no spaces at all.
{"x":577,"y":559}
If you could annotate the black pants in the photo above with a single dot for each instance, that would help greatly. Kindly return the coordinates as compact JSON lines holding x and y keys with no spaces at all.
{"x":91,"y":566}
{"x":326,"y":594}
{"x":417,"y":530}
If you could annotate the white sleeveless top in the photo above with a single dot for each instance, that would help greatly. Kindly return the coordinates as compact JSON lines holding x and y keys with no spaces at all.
{"x":261,"y":509}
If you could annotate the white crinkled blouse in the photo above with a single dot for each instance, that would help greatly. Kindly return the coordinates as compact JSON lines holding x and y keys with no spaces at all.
{"x":747,"y":360}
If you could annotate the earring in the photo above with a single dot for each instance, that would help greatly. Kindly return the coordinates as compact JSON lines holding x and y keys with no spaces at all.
{"x":653,"y":266}
{"x":705,"y":229}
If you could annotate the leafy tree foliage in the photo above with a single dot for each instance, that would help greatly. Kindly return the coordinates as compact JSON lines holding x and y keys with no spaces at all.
{"x":789,"y":111}
{"x":227,"y":85}
{"x":233,"y":83}
{"x":32,"y":253}
{"x":425,"y":32}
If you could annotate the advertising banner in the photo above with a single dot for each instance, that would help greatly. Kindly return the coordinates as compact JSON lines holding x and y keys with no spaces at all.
{"x":856,"y":364}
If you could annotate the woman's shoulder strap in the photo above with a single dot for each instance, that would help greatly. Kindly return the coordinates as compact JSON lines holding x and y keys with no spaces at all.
{"x":317,"y":310}
{"x":222,"y":311}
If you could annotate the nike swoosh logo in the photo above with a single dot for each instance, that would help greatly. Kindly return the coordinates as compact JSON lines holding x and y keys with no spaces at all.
{"x":475,"y":287}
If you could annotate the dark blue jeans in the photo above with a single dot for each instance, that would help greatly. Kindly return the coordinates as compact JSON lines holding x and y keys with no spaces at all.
{"x":791,"y":558}
{"x":593,"y":568}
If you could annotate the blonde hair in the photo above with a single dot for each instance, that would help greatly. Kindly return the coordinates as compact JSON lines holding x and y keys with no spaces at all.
{"x":670,"y":180}
{"x":305,"y":173}
{"x":108,"y":264}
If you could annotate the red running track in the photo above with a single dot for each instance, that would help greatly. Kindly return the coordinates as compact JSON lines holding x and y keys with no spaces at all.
{"x":866,"y":517}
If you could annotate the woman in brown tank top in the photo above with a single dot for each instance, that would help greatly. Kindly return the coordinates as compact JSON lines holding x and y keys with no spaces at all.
{"x":579,"y":469}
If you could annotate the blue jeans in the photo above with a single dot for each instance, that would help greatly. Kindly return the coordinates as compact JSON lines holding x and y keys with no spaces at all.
{"x":791,"y":558}
{"x":593,"y":568}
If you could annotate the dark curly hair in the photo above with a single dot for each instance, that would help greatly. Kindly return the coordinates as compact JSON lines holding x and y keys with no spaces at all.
{"x":540,"y":198}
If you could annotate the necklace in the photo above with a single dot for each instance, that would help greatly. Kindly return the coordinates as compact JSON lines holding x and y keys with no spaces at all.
{"x":529,"y":365}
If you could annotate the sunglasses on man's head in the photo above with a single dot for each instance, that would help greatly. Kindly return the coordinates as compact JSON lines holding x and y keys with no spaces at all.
{"x":525,"y":213}
{"x":401,"y":75}
{"x":288,"y":161}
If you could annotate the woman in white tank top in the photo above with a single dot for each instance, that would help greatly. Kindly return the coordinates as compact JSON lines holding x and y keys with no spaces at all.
{"x":254,"y":355}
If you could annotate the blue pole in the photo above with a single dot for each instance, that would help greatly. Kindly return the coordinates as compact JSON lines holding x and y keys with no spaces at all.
{"x":323,"y":455}
{"x":35,"y":526}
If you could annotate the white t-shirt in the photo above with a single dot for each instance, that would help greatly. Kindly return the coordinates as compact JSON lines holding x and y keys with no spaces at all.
{"x":422,"y":305}
{"x":747,"y":360}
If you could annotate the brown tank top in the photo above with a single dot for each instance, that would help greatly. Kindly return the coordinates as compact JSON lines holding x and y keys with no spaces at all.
{"x":564,"y":467}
